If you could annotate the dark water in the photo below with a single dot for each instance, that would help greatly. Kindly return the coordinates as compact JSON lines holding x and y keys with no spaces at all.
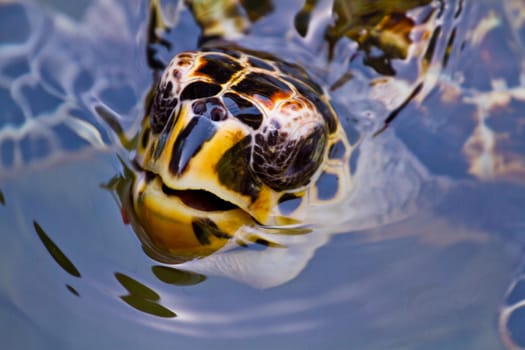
{"x":421,"y":255}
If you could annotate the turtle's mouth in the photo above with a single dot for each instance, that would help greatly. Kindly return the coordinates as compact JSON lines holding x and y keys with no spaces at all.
{"x":181,"y":222}
{"x":200,"y":199}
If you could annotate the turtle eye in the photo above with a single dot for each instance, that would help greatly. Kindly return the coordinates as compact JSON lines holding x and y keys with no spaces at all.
{"x":286,"y":164}
{"x":162,"y":107}
{"x":309,"y":156}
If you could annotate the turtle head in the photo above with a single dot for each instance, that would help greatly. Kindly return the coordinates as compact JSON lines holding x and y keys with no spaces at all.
{"x":223,"y":142}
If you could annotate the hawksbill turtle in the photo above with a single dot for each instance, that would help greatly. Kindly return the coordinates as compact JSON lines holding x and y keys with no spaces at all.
{"x":243,"y":143}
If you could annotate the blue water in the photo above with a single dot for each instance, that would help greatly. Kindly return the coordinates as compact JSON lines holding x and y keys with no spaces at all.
{"x":432,"y":243}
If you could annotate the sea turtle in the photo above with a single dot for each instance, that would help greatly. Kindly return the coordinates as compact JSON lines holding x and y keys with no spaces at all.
{"x":240,"y":147}
{"x":230,"y":135}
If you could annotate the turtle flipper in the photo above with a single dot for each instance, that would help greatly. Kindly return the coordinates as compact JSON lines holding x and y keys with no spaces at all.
{"x":512,"y":314}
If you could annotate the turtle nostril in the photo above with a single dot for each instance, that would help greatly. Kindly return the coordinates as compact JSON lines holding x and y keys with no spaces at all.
{"x":210,"y":108}
{"x":218,"y":114}
{"x":199,"y":107}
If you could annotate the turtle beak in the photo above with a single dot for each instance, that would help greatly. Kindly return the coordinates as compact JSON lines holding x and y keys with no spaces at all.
{"x":194,"y":190}
{"x":169,"y":227}
{"x":209,"y":166}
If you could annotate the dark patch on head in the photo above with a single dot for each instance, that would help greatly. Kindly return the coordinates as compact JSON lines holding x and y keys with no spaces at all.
{"x":149,"y":176}
{"x":273,"y":137}
{"x":219,"y":68}
{"x":285,"y":164}
{"x":199,"y":89}
{"x":297,"y":72}
{"x":262,"y":85}
{"x":167,"y":90}
{"x":288,"y":203}
{"x":257,"y":62}
{"x":163,"y":106}
{"x":205,"y":228}
{"x":243,"y":110}
{"x":189,"y":142}
{"x":234,"y":170}
{"x":322,"y":106}
{"x":145,"y":138}
{"x":161,"y":142}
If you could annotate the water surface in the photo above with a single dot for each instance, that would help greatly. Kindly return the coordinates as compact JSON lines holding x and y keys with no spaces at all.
{"x":424,"y":249}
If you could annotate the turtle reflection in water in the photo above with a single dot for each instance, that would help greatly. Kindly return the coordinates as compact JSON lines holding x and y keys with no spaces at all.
{"x":237,"y":146}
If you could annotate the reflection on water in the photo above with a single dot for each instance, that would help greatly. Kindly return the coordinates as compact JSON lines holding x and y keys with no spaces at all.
{"x":58,"y":256}
{"x":435,"y":210}
{"x":177,"y":277}
{"x":55,"y":252}
{"x":142,"y":298}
